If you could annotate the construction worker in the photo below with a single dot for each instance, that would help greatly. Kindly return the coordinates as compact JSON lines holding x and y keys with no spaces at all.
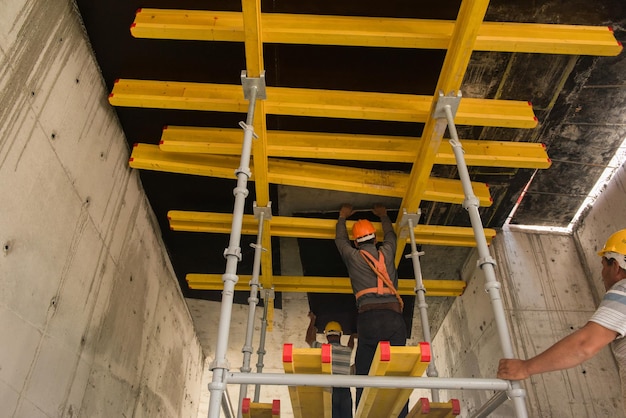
{"x":607,"y":325}
{"x":374,"y":282}
{"x":341,"y":359}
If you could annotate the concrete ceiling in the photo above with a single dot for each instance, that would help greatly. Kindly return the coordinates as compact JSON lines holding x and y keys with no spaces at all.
{"x":579,"y":103}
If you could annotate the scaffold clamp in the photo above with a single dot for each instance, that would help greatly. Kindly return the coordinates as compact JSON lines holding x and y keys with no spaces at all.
{"x":452,"y":100}
{"x":486,"y":260}
{"x":249,"y":83}
{"x":233,"y":251}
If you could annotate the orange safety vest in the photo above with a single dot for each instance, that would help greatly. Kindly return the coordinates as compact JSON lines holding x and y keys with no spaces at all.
{"x":378,"y":266}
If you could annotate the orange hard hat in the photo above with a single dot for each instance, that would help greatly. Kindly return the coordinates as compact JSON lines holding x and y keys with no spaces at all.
{"x":363,"y":230}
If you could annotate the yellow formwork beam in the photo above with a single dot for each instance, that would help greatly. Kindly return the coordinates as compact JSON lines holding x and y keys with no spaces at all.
{"x":392,"y":361}
{"x":469,"y":20}
{"x":316,"y":284}
{"x":373,"y":32}
{"x":251,"y":11}
{"x":294,"y":173}
{"x":375,"y":182}
{"x":353,"y":147}
{"x":316,"y":103}
{"x":294,"y":227}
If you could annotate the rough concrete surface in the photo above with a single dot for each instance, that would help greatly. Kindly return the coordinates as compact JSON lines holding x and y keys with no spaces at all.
{"x":92,"y":320}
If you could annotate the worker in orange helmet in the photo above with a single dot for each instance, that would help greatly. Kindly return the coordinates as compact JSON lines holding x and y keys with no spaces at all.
{"x":374,"y":280}
{"x":341,"y":359}
{"x":606,"y":326}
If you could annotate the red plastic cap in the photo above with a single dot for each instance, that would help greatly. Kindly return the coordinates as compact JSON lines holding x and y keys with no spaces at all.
{"x":425,"y":349}
{"x":425,"y":406}
{"x":456,"y":406}
{"x":131,"y":159}
{"x":276,"y":407}
{"x":245,"y":405}
{"x":327,"y":356}
{"x":161,"y":142}
{"x":287,"y":353}
{"x":385,"y":350}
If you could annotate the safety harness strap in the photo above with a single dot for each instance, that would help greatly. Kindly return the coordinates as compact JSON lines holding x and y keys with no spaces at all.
{"x":378,"y":266}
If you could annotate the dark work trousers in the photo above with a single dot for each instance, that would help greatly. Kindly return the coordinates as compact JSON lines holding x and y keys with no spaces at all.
{"x":342,"y":403}
{"x":374,"y":326}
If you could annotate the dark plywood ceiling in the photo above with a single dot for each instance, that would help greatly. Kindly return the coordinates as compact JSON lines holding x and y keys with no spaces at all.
{"x":579,"y":102}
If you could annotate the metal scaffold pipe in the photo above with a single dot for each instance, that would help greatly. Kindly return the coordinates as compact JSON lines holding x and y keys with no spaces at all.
{"x":420,"y":291}
{"x":397,"y":382}
{"x":485,"y":261}
{"x":220,"y":366}
{"x":261,"y":350}
{"x":253,"y":300}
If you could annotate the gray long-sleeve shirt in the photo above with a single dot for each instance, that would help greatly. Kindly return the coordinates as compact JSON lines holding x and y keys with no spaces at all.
{"x":361,"y":274}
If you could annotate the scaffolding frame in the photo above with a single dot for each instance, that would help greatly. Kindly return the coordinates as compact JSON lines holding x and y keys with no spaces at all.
{"x":468,"y":33}
{"x":444,"y":111}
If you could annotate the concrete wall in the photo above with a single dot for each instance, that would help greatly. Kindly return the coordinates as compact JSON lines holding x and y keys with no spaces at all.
{"x":92,"y":322}
{"x":551,"y":284}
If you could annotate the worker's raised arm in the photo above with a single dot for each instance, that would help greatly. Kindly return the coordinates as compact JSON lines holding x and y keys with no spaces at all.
{"x":311,"y":331}
{"x":566,"y":353}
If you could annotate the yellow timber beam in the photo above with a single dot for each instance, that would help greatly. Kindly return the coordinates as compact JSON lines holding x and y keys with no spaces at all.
{"x":294,"y":227}
{"x":317,"y":103}
{"x":251,"y":11}
{"x":303,"y":174}
{"x":374,"y":32}
{"x":353,"y":147}
{"x":311,"y":284}
{"x":469,"y":20}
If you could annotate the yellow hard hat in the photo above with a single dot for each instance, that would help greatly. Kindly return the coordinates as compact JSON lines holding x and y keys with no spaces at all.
{"x":333,"y":328}
{"x":615,"y":247}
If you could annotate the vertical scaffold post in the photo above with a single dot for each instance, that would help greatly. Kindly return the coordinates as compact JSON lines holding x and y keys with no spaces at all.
{"x":268,"y":294}
{"x":260,"y":214}
{"x":446,"y":108}
{"x":253,"y":88}
{"x":410,"y":220}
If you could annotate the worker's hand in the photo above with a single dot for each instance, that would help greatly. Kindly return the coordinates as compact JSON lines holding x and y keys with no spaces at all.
{"x":379,"y":210}
{"x":512,"y":369}
{"x":346,"y":211}
{"x":312,"y":316}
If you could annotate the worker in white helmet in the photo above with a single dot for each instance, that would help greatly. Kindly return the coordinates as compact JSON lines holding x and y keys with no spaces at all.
{"x":341,"y":359}
{"x":606,"y":326}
